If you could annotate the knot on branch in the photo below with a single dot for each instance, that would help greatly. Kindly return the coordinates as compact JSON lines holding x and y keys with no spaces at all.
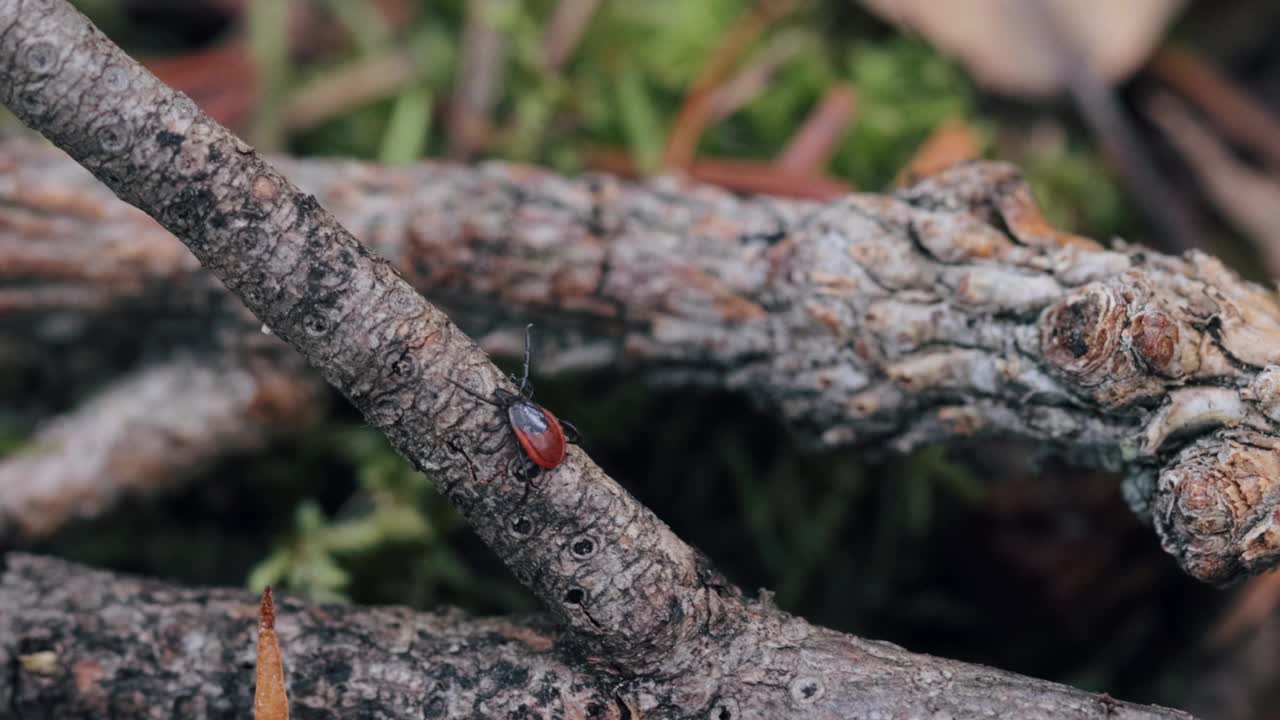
{"x":1111,"y":340}
{"x":1080,"y":334}
{"x":1217,"y":506}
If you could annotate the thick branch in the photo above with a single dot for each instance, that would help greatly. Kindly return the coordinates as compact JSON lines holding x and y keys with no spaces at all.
{"x":76,"y":643}
{"x":950,"y":309}
{"x":147,"y":431}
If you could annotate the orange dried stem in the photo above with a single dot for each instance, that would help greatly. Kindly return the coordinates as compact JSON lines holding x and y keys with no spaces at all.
{"x":270,"y":701}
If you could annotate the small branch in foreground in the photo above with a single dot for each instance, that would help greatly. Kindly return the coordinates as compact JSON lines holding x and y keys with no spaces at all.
{"x":610,"y":569}
{"x":394,"y":663}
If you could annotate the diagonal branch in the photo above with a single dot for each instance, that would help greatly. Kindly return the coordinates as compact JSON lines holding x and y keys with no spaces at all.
{"x":951,"y":309}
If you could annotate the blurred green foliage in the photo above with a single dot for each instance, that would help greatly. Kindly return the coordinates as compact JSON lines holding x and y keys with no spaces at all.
{"x":904,"y":91}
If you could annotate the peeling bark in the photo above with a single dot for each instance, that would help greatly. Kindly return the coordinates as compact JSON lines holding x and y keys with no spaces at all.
{"x":77,"y":643}
{"x":950,"y":309}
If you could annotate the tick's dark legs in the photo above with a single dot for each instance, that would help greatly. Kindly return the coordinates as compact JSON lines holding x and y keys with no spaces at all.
{"x":472,"y":393}
{"x":527,"y":472}
{"x":528,"y":351}
{"x":526,"y":387}
{"x":499,"y":431}
{"x":571,"y":434}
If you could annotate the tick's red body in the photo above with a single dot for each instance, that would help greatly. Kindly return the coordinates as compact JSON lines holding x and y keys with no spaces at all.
{"x":541,"y":435}
{"x":536,"y":429}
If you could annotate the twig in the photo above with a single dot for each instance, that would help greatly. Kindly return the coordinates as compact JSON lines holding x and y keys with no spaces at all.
{"x":753,"y":77}
{"x":691,"y":120}
{"x":1233,"y":111}
{"x":1256,"y":602}
{"x":1177,"y":228}
{"x":270,"y":699}
{"x":339,"y":90}
{"x":564,"y":31}
{"x":1237,"y":668}
{"x":950,"y":143}
{"x":1249,"y":199}
{"x":479,"y":78}
{"x":809,"y":149}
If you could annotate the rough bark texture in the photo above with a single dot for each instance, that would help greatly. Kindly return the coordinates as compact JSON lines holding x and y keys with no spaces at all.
{"x":146,"y":431}
{"x":76,"y":643}
{"x":612,"y":571}
{"x":636,"y":602}
{"x":81,"y":644}
{"x":951,"y":309}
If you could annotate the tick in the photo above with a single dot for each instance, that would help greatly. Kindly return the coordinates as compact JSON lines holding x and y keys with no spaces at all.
{"x":542,"y":436}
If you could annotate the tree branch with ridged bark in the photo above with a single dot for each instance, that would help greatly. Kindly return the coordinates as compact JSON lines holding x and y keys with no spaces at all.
{"x":635,"y":602}
{"x":950,"y":309}
{"x":81,"y":643}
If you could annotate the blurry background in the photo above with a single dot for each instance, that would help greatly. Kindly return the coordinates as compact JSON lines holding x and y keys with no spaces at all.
{"x":1153,"y":120}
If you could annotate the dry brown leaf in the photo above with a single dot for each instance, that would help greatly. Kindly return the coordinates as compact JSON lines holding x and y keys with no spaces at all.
{"x":270,"y":701}
{"x":1005,"y":52}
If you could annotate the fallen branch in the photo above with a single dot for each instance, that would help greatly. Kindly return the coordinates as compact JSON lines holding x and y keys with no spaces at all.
{"x":78,"y":643}
{"x":150,"y":430}
{"x":951,"y":309}
{"x":635,"y":601}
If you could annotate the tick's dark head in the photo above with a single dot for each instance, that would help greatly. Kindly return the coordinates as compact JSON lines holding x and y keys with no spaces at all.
{"x":506,"y":399}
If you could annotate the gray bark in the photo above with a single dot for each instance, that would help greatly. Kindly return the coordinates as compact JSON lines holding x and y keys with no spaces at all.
{"x":77,"y":643}
{"x":951,"y":309}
